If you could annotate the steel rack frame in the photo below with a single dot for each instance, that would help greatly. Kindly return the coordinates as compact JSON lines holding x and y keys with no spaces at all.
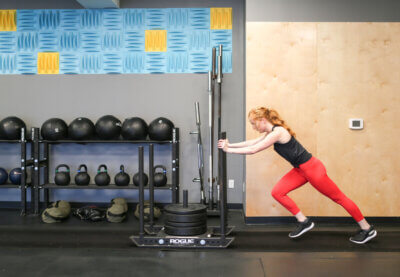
{"x":24,"y":165}
{"x":45,"y":163}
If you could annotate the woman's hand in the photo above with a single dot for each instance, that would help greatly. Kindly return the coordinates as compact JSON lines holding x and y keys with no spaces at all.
{"x":223,"y":144}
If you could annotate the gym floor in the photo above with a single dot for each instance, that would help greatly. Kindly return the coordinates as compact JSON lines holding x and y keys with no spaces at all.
{"x":30,"y":247}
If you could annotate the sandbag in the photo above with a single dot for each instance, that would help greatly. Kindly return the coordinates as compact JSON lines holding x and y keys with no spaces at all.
{"x":56,"y":212}
{"x":120,"y":201}
{"x":146,"y":211}
{"x":116,"y":213}
{"x":64,"y":207}
{"x":52,"y":215}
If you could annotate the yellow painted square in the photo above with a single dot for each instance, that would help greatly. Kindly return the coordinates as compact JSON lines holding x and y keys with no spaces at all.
{"x":48,"y":63}
{"x":8,"y":20}
{"x":155,"y":40}
{"x":221,"y":18}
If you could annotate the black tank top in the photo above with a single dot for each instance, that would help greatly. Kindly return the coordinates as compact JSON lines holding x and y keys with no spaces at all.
{"x":292,"y":151}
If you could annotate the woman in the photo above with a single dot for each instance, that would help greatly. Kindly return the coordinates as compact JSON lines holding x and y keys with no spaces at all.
{"x":306,"y":169}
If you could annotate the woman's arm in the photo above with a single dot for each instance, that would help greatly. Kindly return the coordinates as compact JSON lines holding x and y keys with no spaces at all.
{"x":247,"y":142}
{"x":266,"y":142}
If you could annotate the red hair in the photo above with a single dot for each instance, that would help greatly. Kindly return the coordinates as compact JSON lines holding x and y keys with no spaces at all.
{"x":270,"y":115}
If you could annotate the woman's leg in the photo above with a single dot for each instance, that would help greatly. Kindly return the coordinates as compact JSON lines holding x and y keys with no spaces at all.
{"x":315,"y":172}
{"x":292,"y":180}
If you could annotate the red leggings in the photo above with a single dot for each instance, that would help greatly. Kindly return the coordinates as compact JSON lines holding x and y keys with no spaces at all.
{"x":312,"y":171}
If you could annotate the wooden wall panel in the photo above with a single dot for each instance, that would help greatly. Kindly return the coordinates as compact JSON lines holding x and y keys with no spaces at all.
{"x":318,"y":75}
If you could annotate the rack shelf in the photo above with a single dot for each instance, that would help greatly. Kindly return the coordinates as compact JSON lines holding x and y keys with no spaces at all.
{"x":44,"y":163}
{"x":105,"y":141}
{"x":94,"y":186}
{"x":10,"y":141}
{"x":12,"y":186}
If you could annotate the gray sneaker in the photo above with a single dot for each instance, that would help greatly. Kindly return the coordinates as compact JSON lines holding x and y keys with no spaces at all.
{"x":301,"y":228}
{"x":364,"y":235}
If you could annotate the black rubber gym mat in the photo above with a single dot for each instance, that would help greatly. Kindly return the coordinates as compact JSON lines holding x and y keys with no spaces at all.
{"x":153,"y":262}
{"x":29,"y":231}
{"x":316,"y":241}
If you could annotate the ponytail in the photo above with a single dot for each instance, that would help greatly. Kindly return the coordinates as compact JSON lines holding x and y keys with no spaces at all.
{"x":270,"y":115}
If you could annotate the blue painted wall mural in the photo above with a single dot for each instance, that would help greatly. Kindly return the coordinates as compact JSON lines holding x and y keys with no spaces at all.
{"x":113,"y":41}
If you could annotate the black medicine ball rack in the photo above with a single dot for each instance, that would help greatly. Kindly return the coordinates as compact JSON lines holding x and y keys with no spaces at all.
{"x":45,"y":163}
{"x":24,"y":165}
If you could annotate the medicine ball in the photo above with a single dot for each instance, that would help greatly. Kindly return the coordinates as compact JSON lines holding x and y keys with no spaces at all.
{"x":108,"y":127}
{"x":81,"y":128}
{"x":161,"y":129}
{"x":3,"y":176}
{"x":134,"y":128}
{"x":54,"y":129}
{"x":10,"y":128}
{"x":15,"y":176}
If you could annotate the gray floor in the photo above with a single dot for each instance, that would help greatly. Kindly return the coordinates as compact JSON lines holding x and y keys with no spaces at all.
{"x":29,"y":247}
{"x":123,"y":262}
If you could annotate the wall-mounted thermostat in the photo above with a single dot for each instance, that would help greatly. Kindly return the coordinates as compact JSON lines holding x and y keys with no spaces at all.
{"x":356,"y":123}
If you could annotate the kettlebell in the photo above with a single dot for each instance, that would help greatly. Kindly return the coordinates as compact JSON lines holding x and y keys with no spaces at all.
{"x":82,"y":178}
{"x":136,"y":179}
{"x":122,"y":179}
{"x":102,"y":178}
{"x":160,"y":178}
{"x":62,"y":178}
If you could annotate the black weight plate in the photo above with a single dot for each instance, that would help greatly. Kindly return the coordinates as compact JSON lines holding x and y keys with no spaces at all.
{"x":186,"y":224}
{"x":189,"y":231}
{"x":190,"y":209}
{"x":185,"y":218}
